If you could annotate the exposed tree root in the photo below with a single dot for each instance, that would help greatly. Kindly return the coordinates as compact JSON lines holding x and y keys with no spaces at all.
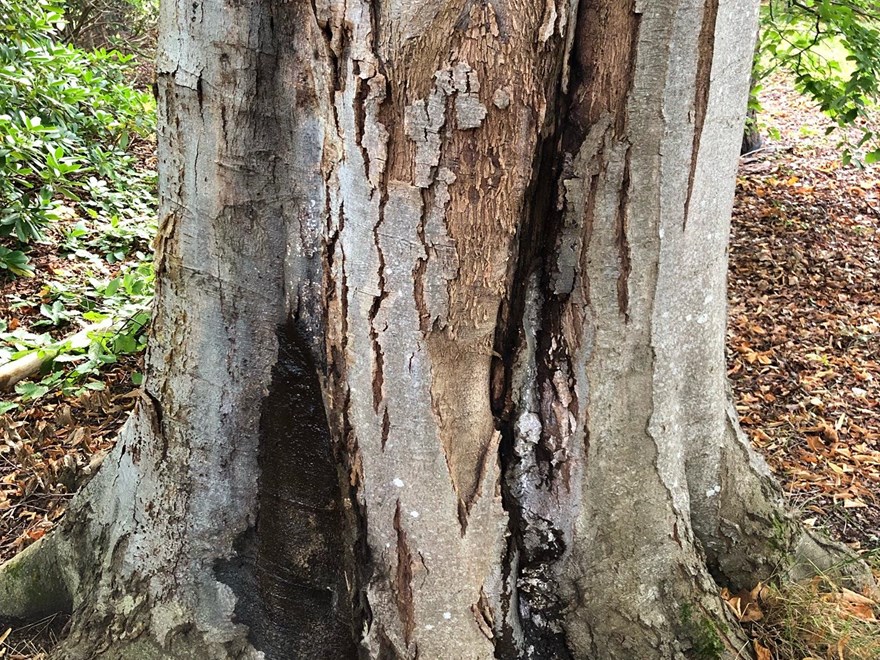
{"x":813,"y":555}
{"x":25,"y":367}
{"x":32,"y":584}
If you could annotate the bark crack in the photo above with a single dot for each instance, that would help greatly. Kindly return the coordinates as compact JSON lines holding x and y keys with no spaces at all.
{"x":404,"y":579}
{"x":705,"y":57}
{"x":622,"y":239}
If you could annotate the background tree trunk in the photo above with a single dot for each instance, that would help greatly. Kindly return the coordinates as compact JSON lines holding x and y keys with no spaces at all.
{"x":489,"y":240}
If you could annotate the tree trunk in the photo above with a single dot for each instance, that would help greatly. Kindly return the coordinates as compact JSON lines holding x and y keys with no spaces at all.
{"x":437,"y":364}
{"x":752,"y":139}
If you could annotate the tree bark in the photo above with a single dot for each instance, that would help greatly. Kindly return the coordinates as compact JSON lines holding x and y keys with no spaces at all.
{"x":437,"y":364}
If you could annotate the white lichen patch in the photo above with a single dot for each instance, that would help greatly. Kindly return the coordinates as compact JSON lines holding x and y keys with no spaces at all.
{"x":501,"y":98}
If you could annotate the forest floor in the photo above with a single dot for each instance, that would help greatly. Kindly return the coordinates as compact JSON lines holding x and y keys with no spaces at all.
{"x":804,"y":319}
{"x":803,"y":348}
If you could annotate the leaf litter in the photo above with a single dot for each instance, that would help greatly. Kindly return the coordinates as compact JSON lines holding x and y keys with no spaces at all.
{"x":804,"y":321}
{"x":803,"y":350}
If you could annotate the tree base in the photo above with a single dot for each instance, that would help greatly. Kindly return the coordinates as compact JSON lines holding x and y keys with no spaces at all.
{"x":686,"y":618}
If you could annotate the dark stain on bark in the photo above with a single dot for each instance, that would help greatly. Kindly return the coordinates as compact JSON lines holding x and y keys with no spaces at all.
{"x":288,"y":572}
{"x":200,"y":93}
{"x":533,"y":545}
{"x":706,"y":53}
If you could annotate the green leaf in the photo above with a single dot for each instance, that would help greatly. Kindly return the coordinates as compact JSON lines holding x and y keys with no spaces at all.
{"x":67,"y":357}
{"x":6,"y":406}
{"x":124,"y":344}
{"x":30,"y":390}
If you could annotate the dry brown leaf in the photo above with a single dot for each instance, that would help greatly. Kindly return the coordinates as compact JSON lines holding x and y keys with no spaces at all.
{"x":761,"y":652}
{"x":853,"y":597}
{"x":815,"y":443}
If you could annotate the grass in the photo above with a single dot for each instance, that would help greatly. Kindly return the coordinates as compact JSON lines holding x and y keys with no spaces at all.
{"x":813,"y":619}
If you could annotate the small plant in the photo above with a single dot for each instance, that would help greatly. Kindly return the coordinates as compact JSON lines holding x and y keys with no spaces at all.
{"x":15,"y":261}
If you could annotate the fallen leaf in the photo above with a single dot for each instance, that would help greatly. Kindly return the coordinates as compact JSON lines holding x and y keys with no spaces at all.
{"x":761,"y":652}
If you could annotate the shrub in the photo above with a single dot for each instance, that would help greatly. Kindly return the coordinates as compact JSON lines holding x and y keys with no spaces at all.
{"x":67,"y":118}
{"x":833,"y":51}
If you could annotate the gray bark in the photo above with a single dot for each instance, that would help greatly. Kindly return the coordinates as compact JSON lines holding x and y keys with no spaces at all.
{"x":437,"y":364}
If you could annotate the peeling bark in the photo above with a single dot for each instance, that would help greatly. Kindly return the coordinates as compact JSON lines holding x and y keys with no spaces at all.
{"x":437,"y":362}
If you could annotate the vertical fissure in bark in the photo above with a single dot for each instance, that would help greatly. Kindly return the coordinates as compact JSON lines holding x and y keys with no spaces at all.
{"x":403,"y":579}
{"x":544,"y":416}
{"x":705,"y":56}
{"x":623,"y":243}
{"x":532,"y":611}
{"x":602,"y":68}
{"x":528,"y":330}
{"x":288,"y":572}
{"x":358,"y":556}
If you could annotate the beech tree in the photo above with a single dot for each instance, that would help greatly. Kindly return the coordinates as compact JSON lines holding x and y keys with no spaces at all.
{"x":437,"y":358}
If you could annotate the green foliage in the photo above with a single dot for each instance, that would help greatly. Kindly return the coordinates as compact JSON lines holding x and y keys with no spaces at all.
{"x":67,"y":118}
{"x":832,"y":47}
{"x":122,"y":303}
{"x":15,"y":261}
